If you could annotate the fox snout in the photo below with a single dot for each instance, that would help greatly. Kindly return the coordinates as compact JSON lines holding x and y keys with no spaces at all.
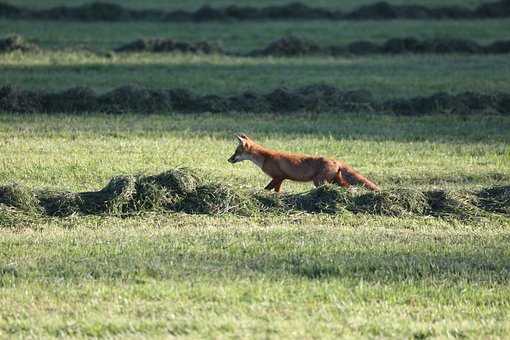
{"x":232,"y":159}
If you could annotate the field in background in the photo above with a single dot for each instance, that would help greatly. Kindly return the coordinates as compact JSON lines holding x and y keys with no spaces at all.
{"x":385,"y":76}
{"x":195,"y":4}
{"x":242,"y":37}
{"x":275,"y":275}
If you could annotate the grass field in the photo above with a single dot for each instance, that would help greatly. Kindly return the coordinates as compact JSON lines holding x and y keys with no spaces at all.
{"x":195,"y":4}
{"x":280,"y":274}
{"x":275,"y":275}
{"x":386,"y":77}
{"x":286,"y":277}
{"x":245,"y":36}
{"x":82,"y":153}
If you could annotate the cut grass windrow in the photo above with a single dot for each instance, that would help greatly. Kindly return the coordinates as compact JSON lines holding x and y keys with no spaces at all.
{"x":293,"y":46}
{"x":313,"y":99}
{"x":180,"y":190}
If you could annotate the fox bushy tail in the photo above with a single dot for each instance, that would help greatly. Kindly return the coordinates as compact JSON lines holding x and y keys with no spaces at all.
{"x":353,"y":177}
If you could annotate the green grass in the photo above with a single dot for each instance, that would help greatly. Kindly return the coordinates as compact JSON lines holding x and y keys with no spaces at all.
{"x":280,"y":276}
{"x":83,"y":152}
{"x":276,"y":277}
{"x":246,"y":36}
{"x":182,"y":4}
{"x":385,"y":76}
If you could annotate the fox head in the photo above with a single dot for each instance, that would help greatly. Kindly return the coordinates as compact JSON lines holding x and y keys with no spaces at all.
{"x":242,"y":152}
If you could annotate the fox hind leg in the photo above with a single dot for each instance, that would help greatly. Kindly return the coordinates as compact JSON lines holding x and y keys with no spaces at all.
{"x":278,"y":185}
{"x":319,"y":180}
{"x":341,"y":181}
{"x":270,"y":186}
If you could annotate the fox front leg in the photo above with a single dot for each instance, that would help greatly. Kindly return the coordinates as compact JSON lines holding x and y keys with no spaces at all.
{"x":274,"y":184}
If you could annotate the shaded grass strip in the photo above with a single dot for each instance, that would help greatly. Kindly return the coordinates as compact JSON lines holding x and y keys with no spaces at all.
{"x":180,"y":190}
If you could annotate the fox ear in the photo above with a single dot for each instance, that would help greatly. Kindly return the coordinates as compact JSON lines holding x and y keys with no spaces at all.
{"x":241,"y":138}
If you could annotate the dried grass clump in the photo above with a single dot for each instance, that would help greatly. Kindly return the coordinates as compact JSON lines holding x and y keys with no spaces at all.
{"x":11,"y":217}
{"x":495,"y":199}
{"x":180,"y":181}
{"x":115,"y":198}
{"x":165,"y":190}
{"x":271,"y":201}
{"x":181,"y":190}
{"x":215,"y":199}
{"x":160,"y":45}
{"x":18,"y":196}
{"x":16,"y":43}
{"x":452,"y":204}
{"x":60,"y":203}
{"x":289,"y":46}
{"x":327,"y":198}
{"x":118,"y":194}
{"x":394,"y":202}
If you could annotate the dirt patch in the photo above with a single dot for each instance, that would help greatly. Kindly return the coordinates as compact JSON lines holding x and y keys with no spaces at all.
{"x":16,"y":43}
{"x":170,"y":45}
{"x":100,"y":11}
{"x":180,"y":190}
{"x":309,"y":99}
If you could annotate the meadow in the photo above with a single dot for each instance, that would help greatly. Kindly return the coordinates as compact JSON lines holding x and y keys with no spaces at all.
{"x":246,"y":36}
{"x":194,"y":4}
{"x":271,"y":274}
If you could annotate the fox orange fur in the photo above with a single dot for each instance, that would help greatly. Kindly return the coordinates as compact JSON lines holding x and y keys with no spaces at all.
{"x":281,"y":166}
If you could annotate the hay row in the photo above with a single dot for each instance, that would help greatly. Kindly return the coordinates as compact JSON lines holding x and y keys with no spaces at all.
{"x":292,"y":46}
{"x":312,"y":98}
{"x":99,"y":11}
{"x":180,"y":190}
{"x":16,"y":43}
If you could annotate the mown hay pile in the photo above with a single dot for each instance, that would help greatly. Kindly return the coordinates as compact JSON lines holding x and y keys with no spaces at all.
{"x":18,"y":196}
{"x":325,"y":199}
{"x":173,"y":190}
{"x":180,"y":190}
{"x":495,"y":199}
{"x":454,"y":204}
{"x":293,"y":46}
{"x":393,"y":202}
{"x":16,"y":43}
{"x":290,"y":46}
{"x":12,"y":217}
{"x":160,"y":45}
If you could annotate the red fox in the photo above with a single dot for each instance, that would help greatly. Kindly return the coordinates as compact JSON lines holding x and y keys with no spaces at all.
{"x":281,"y":166}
